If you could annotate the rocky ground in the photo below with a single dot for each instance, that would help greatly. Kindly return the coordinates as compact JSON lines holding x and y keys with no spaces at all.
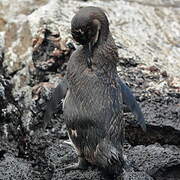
{"x":35,"y":44}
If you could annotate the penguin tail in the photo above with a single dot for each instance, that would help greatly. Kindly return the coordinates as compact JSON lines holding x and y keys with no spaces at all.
{"x":109,"y":158}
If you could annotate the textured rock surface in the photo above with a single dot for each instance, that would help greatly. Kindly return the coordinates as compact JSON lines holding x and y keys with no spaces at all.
{"x":13,"y":168}
{"x":150,"y":31}
{"x":161,"y":107}
{"x":161,"y":158}
{"x":34,"y":40}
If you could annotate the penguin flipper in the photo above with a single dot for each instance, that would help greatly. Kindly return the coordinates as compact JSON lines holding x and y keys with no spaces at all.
{"x":130,"y":101}
{"x":55,"y":101}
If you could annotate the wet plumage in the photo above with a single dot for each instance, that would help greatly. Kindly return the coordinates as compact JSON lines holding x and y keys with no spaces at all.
{"x":93,"y":104}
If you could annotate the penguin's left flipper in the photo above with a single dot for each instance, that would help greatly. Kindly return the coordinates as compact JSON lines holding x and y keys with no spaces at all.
{"x":130,"y":101}
{"x":55,"y":101}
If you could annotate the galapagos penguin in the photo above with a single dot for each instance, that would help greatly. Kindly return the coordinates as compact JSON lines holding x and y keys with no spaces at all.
{"x":94,"y":94}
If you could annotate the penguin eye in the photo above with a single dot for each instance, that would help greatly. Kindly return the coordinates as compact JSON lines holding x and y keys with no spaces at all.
{"x":75,"y":34}
{"x":82,"y":35}
{"x":88,"y":32}
{"x":87,"y":28}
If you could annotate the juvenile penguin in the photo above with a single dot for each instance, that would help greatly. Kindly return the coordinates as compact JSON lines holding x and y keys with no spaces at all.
{"x":94,"y":94}
{"x":93,"y":104}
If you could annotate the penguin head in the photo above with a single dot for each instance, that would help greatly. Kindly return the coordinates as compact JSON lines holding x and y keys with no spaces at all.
{"x":88,"y":25}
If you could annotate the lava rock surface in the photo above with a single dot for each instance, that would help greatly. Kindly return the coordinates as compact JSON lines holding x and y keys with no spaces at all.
{"x":34,"y":49}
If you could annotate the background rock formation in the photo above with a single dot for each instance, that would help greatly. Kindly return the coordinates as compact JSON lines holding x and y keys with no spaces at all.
{"x":35,"y":44}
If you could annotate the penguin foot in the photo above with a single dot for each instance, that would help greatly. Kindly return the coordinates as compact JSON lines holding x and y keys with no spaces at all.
{"x":81,"y":165}
{"x":68,"y":142}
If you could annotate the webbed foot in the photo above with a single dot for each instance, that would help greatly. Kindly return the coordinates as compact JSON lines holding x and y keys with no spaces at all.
{"x":81,"y":165}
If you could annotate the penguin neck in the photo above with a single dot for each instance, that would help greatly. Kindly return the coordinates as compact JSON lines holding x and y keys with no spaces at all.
{"x":105,"y":52}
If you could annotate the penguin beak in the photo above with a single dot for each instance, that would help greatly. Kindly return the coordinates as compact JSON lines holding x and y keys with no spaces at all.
{"x":90,"y":45}
{"x":89,"y":55}
{"x":89,"y":59}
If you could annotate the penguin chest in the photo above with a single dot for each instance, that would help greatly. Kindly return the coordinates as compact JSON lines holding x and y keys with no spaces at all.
{"x":92,"y":98}
{"x":81,"y":99}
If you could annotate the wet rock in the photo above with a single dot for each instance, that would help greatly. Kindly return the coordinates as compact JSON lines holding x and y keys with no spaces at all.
{"x":12,"y":131}
{"x":1,"y":51}
{"x":11,"y":9}
{"x":136,"y":30}
{"x":50,"y":51}
{"x":162,"y":116}
{"x":9,"y":112}
{"x":11,"y":127}
{"x":160,"y":105}
{"x":47,"y":46}
{"x":136,"y":176}
{"x":153,"y":69}
{"x":2,"y":24}
{"x":154,"y":159}
{"x":169,"y":173}
{"x":52,"y":15}
{"x":14,"y":168}
{"x":164,"y":74}
{"x":160,"y":3}
{"x":37,"y":144}
{"x":18,"y":45}
{"x":174,"y":83}
{"x":60,"y":154}
{"x":19,"y":34}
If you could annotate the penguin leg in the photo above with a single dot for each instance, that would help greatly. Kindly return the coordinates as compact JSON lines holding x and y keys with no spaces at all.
{"x":82,"y":162}
{"x":81,"y":165}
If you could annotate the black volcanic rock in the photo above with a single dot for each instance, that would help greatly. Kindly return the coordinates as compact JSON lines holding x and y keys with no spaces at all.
{"x":155,"y":159}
